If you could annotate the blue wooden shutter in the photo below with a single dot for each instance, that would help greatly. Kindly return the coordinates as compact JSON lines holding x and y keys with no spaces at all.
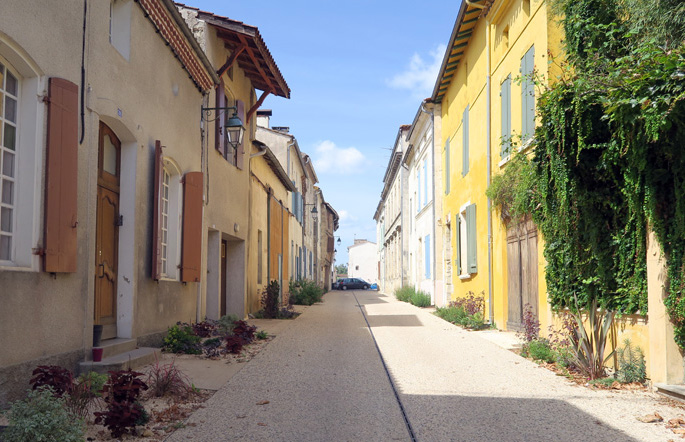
{"x":527,"y":95}
{"x":425,"y":182}
{"x":471,"y":249}
{"x":465,"y":136}
{"x":427,"y":260}
{"x":447,"y":167}
{"x":506,"y":117}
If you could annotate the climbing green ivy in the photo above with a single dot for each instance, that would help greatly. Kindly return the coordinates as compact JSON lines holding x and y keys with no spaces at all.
{"x":609,"y":160}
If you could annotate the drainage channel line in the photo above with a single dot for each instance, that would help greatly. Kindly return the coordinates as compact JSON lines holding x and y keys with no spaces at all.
{"x":387,"y":372}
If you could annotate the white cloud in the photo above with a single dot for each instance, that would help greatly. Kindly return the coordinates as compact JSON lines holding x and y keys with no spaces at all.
{"x":420,"y":76}
{"x":333,"y":159}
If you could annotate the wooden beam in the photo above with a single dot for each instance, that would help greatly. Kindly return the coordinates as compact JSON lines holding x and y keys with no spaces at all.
{"x":230,"y":60}
{"x":256,"y":106}
{"x":257,"y":64}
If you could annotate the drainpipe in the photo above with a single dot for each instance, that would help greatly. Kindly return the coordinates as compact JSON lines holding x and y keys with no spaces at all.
{"x":435,"y":240}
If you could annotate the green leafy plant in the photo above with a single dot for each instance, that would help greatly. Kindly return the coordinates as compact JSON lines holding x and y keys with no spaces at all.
{"x":589,"y":348}
{"x":305,"y":292}
{"x":603,"y":382}
{"x":182,"y":339}
{"x":466,"y":312}
{"x":225,"y":323}
{"x":631,"y":364}
{"x":42,"y":416}
{"x":261,"y":335}
{"x":94,"y":380}
{"x":540,"y":350}
{"x":420,"y":299}
{"x":404,"y":293}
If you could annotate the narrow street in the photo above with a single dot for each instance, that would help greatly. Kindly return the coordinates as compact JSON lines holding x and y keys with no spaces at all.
{"x":324,"y":380}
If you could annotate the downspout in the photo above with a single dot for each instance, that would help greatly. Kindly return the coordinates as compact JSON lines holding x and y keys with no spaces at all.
{"x":488,"y":129}
{"x":435,"y":240}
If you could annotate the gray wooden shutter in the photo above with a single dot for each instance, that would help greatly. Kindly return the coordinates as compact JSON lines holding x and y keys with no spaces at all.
{"x":191,"y":255}
{"x":471,"y":249}
{"x":465,"y":136}
{"x":61,"y":173}
{"x":528,"y":95}
{"x":458,"y":241}
{"x":506,"y":117}
{"x":447,"y":167}
{"x":240,"y":150}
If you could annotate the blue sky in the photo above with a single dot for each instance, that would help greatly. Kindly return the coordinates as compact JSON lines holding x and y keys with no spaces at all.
{"x":357,"y":71}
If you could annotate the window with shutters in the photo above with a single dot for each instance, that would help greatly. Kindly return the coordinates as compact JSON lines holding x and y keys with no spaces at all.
{"x":120,"y":26}
{"x":427,"y":260}
{"x":22,"y":145}
{"x":505,"y":102}
{"x":467,"y":262}
{"x":425,"y":182}
{"x":170,"y":220}
{"x":528,"y":96}
{"x":465,"y":142}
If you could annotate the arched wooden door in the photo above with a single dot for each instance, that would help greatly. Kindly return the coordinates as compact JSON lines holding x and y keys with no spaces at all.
{"x":107,"y":231}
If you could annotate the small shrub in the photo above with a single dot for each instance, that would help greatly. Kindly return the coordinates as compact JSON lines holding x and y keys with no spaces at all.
{"x":471,"y":303}
{"x":204,"y":329}
{"x":234,"y":344}
{"x":124,"y":411}
{"x":95,"y":381}
{"x":168,"y":379}
{"x":305,"y":292}
{"x":456,"y":314}
{"x":245,"y":331}
{"x":604,"y":382}
{"x":631,"y":364}
{"x":41,"y":416}
{"x":261,"y":335}
{"x":59,"y":379}
{"x":181,"y":339}
{"x":531,"y":325}
{"x":79,"y":398}
{"x":404,"y":293}
{"x":270,"y":297}
{"x":225,"y":323}
{"x":420,"y":299}
{"x":589,"y":348}
{"x":539,"y":350}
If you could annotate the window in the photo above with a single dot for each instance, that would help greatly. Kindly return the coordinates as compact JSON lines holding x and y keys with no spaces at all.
{"x":170,"y":217}
{"x":505,"y":100}
{"x":418,"y":180}
{"x":120,"y":26}
{"x":9,"y":98}
{"x":467,"y":264}
{"x":260,"y":259}
{"x":425,"y":182}
{"x":465,"y":142}
{"x":22,"y":145}
{"x":447,"y":166}
{"x":527,"y":95}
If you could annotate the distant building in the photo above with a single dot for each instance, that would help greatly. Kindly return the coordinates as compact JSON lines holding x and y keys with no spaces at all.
{"x":363,"y":260}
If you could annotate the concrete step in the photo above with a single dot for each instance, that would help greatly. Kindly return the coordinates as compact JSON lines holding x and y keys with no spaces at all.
{"x":111,"y":347}
{"x":672,"y":391}
{"x":122,"y":361}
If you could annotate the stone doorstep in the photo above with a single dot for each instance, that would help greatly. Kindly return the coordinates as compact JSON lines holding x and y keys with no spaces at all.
{"x":672,"y":391}
{"x":122,"y":361}
{"x":111,"y":347}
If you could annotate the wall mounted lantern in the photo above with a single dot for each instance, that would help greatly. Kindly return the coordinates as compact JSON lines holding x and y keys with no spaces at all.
{"x":234,"y":126}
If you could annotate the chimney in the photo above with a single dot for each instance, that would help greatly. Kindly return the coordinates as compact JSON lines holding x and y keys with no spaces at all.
{"x":263,"y":117}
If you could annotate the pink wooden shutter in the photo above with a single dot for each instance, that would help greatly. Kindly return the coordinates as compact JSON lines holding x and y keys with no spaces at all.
{"x":156,"y":272}
{"x":220,"y":120}
{"x":192,"y":227}
{"x":61,"y":173}
{"x":240,"y":151}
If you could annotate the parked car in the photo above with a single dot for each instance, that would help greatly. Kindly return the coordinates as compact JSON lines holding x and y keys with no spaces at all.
{"x":374,"y":286}
{"x":354,"y":283}
{"x":336,"y":284}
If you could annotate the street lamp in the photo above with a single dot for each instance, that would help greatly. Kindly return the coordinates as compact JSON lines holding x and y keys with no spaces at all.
{"x":234,"y":126}
{"x":314,"y":212}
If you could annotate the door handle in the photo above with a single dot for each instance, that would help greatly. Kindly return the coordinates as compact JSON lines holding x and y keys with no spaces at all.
{"x":101,"y":271}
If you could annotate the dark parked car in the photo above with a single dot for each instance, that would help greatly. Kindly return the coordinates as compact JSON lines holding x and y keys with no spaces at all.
{"x":336,"y":284}
{"x":353,"y":283}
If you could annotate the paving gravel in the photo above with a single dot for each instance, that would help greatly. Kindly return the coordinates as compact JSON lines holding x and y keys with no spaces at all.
{"x":323,"y":380}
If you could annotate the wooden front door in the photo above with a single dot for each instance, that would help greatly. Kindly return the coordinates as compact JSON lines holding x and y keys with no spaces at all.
{"x":522,"y":271}
{"x":107,"y":232}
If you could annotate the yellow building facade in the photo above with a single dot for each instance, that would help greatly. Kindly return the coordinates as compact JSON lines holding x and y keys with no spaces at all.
{"x":500,"y":56}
